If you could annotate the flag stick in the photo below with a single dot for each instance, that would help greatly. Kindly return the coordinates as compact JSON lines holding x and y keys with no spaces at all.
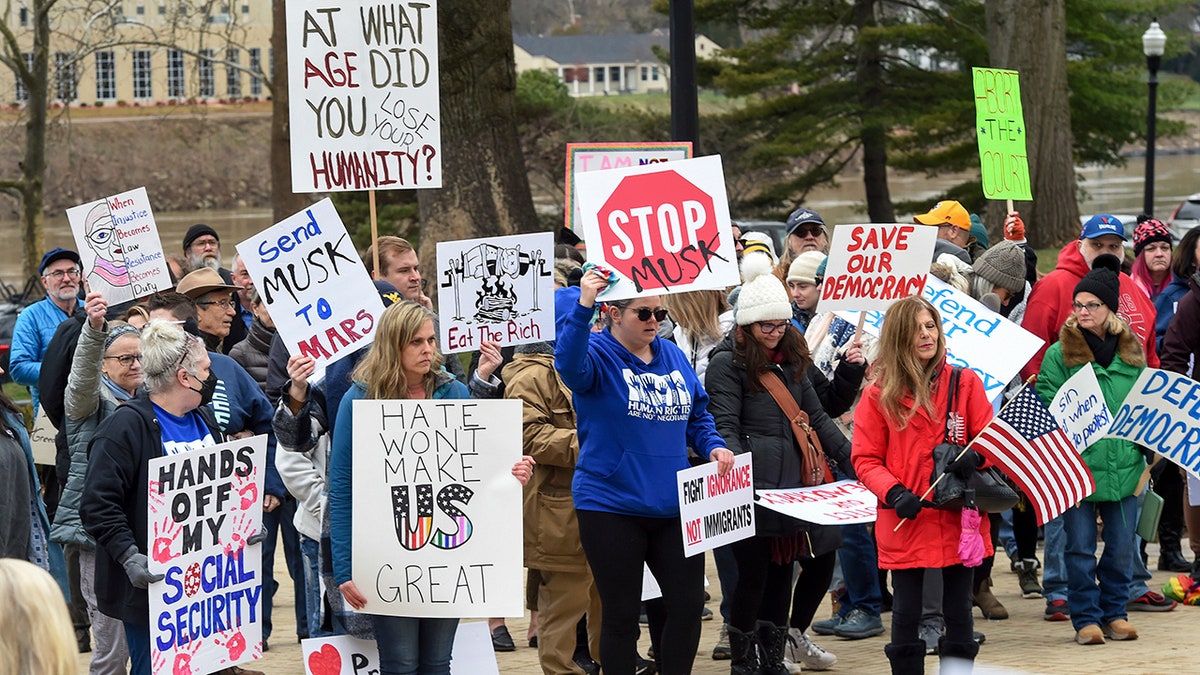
{"x":862,"y":317}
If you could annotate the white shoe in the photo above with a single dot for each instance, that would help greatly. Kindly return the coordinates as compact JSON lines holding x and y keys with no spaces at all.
{"x":803,"y":651}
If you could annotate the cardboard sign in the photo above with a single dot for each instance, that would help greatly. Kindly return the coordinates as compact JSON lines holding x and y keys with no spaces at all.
{"x":716,"y":510}
{"x":583,"y":157}
{"x":499,"y":289}
{"x":41,"y":439}
{"x":662,"y":228}
{"x":364,"y":108}
{"x":1000,"y":128}
{"x":437,"y":513}
{"x":842,"y":503}
{"x":203,"y":506}
{"x":976,"y":337}
{"x":118,"y":245}
{"x":472,"y":654}
{"x":1162,"y":412}
{"x":1080,"y":410}
{"x":872,"y":266}
{"x":314,"y":285}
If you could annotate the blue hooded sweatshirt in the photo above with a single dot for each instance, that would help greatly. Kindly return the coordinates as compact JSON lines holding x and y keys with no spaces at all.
{"x":240,"y":405}
{"x":635,"y":420}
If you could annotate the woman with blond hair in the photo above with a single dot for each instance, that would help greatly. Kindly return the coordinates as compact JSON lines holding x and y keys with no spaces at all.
{"x":702,"y":319}
{"x":36,"y":637}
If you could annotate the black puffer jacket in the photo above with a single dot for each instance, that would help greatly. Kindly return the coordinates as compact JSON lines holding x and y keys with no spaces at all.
{"x":750,"y":421}
{"x":252,"y":353}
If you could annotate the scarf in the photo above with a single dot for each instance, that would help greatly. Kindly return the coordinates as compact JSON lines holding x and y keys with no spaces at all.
{"x":118,"y":393}
{"x":1104,"y":349}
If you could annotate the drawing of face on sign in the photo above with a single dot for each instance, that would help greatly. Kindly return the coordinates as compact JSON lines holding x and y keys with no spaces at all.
{"x":108,"y":270}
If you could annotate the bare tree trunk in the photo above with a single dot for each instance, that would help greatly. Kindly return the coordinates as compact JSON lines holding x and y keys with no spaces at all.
{"x":33,"y":166}
{"x":873,"y":134}
{"x":485,"y":188}
{"x":284,"y":202}
{"x":1030,"y":36}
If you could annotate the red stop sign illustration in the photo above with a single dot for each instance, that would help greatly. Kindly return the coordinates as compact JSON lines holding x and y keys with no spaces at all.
{"x":659,"y":230}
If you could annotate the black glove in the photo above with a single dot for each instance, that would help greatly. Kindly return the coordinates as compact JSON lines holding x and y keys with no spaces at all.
{"x":965,"y":465}
{"x":137,"y":568}
{"x":907,"y":504}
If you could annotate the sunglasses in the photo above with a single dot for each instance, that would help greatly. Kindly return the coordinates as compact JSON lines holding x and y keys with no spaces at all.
{"x":810,"y":231}
{"x":644,"y":313}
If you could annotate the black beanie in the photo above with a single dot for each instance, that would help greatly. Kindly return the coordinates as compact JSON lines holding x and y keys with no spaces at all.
{"x":195,"y":232}
{"x":1104,"y":281}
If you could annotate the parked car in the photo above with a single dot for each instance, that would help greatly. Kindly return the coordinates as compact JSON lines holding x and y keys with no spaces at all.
{"x":1185,"y":217}
{"x":775,"y":229}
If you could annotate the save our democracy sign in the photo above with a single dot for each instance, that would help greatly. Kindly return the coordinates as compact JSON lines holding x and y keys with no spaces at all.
{"x":203,"y":506}
{"x":314,"y":284}
{"x":119,"y":247}
{"x":716,"y":510}
{"x":436,"y":512}
{"x":842,"y":503}
{"x":363,"y":78}
{"x":1080,"y":410}
{"x":872,"y":266}
{"x":583,"y":157}
{"x":1000,"y":128}
{"x":1162,"y":412}
{"x":661,"y":228}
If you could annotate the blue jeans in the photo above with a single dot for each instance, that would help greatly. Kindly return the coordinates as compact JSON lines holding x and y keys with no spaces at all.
{"x":1054,"y":564}
{"x":137,"y":636}
{"x":280,"y":521}
{"x":1095,"y":603}
{"x":1007,"y":540}
{"x":410,"y":646}
{"x":310,"y":549}
{"x":1140,"y":573}
{"x":860,"y":568}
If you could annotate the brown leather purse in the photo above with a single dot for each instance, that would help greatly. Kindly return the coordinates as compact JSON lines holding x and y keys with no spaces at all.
{"x":814,"y":469}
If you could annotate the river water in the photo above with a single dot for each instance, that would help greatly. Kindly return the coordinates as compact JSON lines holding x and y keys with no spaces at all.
{"x":1105,"y":190}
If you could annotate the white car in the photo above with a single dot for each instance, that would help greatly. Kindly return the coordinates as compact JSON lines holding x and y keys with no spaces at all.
{"x":1185,"y":217}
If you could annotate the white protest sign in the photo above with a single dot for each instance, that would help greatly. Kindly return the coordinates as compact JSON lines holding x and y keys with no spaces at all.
{"x":842,"y":503}
{"x":313,"y":284}
{"x":437,"y":512}
{"x":122,"y":257}
{"x":1162,"y":412}
{"x":872,"y":266}
{"x":716,"y":510}
{"x":976,"y":337}
{"x":203,"y":506}
{"x":601,"y":156}
{"x":499,"y":289}
{"x":364,"y":110}
{"x":41,"y":439}
{"x":650,"y":587}
{"x":662,"y":228}
{"x":472,"y":654}
{"x":1193,"y":487}
{"x":1080,"y":410}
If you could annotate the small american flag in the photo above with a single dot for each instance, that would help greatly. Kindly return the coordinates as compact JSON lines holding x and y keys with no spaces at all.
{"x":1027,"y":444}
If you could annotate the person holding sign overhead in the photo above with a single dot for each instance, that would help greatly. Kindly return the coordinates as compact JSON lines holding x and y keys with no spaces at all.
{"x":640,"y":406}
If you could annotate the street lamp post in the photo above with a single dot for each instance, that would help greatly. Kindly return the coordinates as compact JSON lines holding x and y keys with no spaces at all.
{"x":1154,"y":40}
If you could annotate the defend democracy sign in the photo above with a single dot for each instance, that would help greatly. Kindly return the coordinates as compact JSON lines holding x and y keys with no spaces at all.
{"x":716,"y":510}
{"x":842,"y":503}
{"x":1162,"y":412}
{"x":363,"y":78}
{"x":1080,"y":410}
{"x":119,"y":247}
{"x":314,"y":284}
{"x":1000,"y":123}
{"x":583,"y":157}
{"x":872,"y":266}
{"x":437,"y":515}
{"x":203,"y":506}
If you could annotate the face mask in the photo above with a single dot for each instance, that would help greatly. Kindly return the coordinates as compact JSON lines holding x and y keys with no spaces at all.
{"x":207,"y":387}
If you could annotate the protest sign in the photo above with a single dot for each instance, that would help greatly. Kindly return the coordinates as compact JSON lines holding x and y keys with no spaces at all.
{"x":436,"y":516}
{"x":472,"y":653}
{"x":1000,"y":127}
{"x":650,"y":587}
{"x":976,"y":337}
{"x":602,"y":156}
{"x":313,"y":284}
{"x":716,"y":510}
{"x":499,"y":289}
{"x":364,"y":109}
{"x":41,"y":439}
{"x":872,"y":266}
{"x":842,"y":503}
{"x":203,"y":506}
{"x":117,"y":239}
{"x":1079,"y":409}
{"x":1162,"y":412}
{"x":659,"y":227}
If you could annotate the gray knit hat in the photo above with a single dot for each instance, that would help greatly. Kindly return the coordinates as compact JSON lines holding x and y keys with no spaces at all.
{"x":1003,"y":265}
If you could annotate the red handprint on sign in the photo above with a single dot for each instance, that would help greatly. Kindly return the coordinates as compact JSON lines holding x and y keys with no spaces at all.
{"x":183,"y":658}
{"x":243,"y":528}
{"x":236,"y":645}
{"x":165,"y":534}
{"x":157,"y":501}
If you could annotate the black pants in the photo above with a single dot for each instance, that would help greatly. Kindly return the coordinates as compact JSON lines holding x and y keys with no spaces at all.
{"x":811,"y":588}
{"x":763,"y":587}
{"x":907,"y":586}
{"x":616,"y":547}
{"x":1025,"y":530}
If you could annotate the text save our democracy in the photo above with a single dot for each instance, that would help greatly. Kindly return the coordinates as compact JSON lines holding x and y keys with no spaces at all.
{"x":869,"y":272}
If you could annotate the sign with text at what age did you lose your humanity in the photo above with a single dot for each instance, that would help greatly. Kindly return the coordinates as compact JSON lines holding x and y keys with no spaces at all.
{"x":499,"y":289}
{"x":118,"y":243}
{"x":1000,"y":128}
{"x":314,"y":285}
{"x":364,"y":109}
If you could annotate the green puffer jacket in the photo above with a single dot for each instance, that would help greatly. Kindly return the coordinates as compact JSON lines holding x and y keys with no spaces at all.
{"x":1116,"y":464}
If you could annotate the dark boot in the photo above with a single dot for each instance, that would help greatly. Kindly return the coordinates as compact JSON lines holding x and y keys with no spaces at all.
{"x":743,"y":648}
{"x":960,"y":652}
{"x":772,"y":640}
{"x":907,"y":658}
{"x":1170,"y":557}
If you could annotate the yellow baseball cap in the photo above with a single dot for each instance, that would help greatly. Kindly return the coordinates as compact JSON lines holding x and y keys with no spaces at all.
{"x":947,"y":212}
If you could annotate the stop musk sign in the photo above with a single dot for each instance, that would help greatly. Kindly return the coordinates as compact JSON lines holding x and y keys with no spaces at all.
{"x":661,"y":227}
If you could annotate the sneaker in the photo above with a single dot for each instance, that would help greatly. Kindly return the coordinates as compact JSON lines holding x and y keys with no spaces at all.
{"x":828,"y":626}
{"x":722,"y":651}
{"x":1027,"y":578}
{"x":1183,"y":588}
{"x":802,"y":650}
{"x":858,"y":625}
{"x":978,"y":637}
{"x":792,"y":667}
{"x":1151,"y":602}
{"x":930,"y":634}
{"x":1090,"y":635}
{"x":1120,"y":630}
{"x":706,"y":614}
{"x":644,"y":667}
{"x":1057,"y":610}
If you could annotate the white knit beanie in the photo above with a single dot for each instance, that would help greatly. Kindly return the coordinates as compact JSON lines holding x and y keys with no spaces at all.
{"x":763,"y":296}
{"x":804,"y":267}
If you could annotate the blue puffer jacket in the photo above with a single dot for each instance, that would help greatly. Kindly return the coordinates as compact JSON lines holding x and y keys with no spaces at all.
{"x":1165,"y":305}
{"x":32,"y":333}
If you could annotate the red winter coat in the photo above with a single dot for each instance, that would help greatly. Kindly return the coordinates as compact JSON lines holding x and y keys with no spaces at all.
{"x":1050,"y":304}
{"x":885,"y":456}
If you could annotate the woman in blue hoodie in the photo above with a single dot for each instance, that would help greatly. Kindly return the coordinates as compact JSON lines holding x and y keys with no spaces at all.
{"x":639,"y":408}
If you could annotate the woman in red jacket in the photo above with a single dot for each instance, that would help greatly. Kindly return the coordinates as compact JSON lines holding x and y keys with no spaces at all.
{"x":902,"y":416}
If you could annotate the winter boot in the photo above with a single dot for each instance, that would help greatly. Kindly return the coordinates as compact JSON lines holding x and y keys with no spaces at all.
{"x":957,"y":657}
{"x":989,"y":605}
{"x":907,"y":658}
{"x":1170,"y":555}
{"x":743,"y":648}
{"x":773,"y":641}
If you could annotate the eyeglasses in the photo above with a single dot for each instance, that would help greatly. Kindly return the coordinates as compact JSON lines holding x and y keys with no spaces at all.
{"x":127,"y":359}
{"x":206,"y":243}
{"x":772,"y":328}
{"x":644,"y":313}
{"x":1088,"y":307}
{"x":57,"y":275}
{"x":810,"y":231}
{"x":223,"y":304}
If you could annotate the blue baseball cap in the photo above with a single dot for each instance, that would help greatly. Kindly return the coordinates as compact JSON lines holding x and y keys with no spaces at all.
{"x":803,"y":216}
{"x":57,"y":254}
{"x":1102,"y":224}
